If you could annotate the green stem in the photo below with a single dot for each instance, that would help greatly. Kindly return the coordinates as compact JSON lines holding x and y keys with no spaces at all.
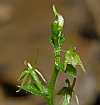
{"x":51,"y":86}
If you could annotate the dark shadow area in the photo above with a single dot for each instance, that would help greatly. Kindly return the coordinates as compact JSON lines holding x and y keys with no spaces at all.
{"x":97,"y":100}
{"x":10,"y":90}
{"x":89,"y":33}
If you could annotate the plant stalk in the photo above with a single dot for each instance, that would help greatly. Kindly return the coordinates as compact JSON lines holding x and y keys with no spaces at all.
{"x":51,"y":86}
{"x":52,"y":83}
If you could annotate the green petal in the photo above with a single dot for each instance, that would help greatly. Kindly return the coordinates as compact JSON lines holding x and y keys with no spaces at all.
{"x":71,"y":70}
{"x":72,"y":57}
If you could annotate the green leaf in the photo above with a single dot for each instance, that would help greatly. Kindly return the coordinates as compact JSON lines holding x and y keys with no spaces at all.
{"x":72,"y":57}
{"x":31,"y":76}
{"x":31,"y":88}
{"x":71,"y":70}
{"x":22,"y":75}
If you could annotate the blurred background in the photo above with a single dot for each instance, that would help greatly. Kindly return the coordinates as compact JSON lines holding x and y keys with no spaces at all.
{"x":24,"y":33}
